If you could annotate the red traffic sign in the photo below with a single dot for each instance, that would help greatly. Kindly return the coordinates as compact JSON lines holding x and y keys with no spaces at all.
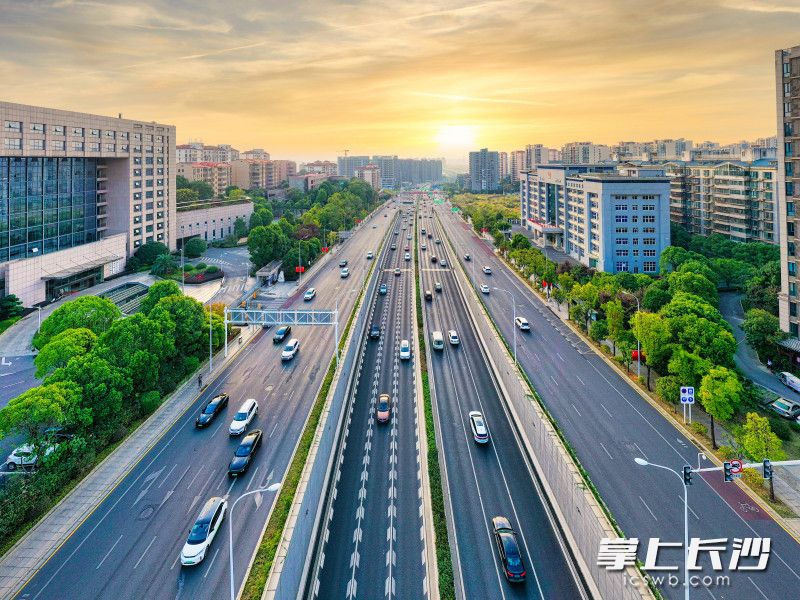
{"x":299,"y":269}
{"x":325,"y":248}
{"x":736,"y":466}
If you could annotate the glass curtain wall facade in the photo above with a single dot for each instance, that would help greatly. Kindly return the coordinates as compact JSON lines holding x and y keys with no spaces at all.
{"x":46,"y":204}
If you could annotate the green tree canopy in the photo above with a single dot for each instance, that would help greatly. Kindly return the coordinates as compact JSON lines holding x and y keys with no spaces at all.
{"x":160,"y":289}
{"x":195,"y":247}
{"x":163,"y":265}
{"x":732,"y":273}
{"x":91,"y":312}
{"x":63,"y":347}
{"x":694,"y":284}
{"x":758,"y":440}
{"x":762,"y":331}
{"x":239,"y":227}
{"x":10,"y":306}
{"x":39,"y":408}
{"x":186,"y":196}
{"x":190,"y":331}
{"x":688,"y":368}
{"x":267,"y":244}
{"x":147,"y":253}
{"x":685,"y":303}
{"x":653,"y":332}
{"x":615,"y":317}
{"x":720,"y":394}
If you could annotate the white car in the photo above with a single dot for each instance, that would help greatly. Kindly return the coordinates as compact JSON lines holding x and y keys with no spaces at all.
{"x":408,"y":237}
{"x":407,"y":256}
{"x":204,"y":530}
{"x":405,"y":350}
{"x":484,"y":288}
{"x":310,"y":293}
{"x":24,"y":457}
{"x":453,"y":337}
{"x":246,"y":413}
{"x":344,"y":273}
{"x":487,"y":269}
{"x":480,"y":433}
{"x":370,"y":255}
{"x":522,"y":323}
{"x":290,"y":349}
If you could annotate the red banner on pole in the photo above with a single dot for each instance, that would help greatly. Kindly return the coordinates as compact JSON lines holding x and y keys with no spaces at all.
{"x":325,"y":248}
{"x":299,"y":269}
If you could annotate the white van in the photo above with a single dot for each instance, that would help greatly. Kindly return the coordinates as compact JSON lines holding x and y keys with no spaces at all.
{"x":438,"y":340}
{"x":789,"y":380}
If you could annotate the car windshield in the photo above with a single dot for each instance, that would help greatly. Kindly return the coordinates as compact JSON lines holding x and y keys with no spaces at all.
{"x":383,"y":406}
{"x":198,"y":534}
{"x":281,"y":331}
{"x":479,"y":424}
{"x":289,"y":347}
{"x":240,"y":416}
{"x":243,"y":450}
{"x":513,"y":559}
{"x":210,"y":408}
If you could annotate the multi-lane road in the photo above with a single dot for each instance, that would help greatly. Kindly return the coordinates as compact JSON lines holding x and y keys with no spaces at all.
{"x":129,"y":546}
{"x":483,"y":481}
{"x":609,"y":425}
{"x":375,"y":539}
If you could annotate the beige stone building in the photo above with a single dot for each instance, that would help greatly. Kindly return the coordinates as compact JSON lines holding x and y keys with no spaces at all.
{"x":79,"y":193}
{"x":213,"y":222}
{"x":215,"y":174}
{"x":369,"y":173}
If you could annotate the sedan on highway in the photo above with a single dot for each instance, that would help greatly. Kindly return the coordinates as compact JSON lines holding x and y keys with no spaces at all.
{"x":453,"y":337}
{"x":405,"y":350}
{"x":343,"y":262}
{"x":370,"y":255}
{"x":246,"y":413}
{"x":374,"y":331}
{"x":210,"y":410}
{"x":245,"y":452}
{"x":484,"y":288}
{"x":290,"y":349}
{"x":443,"y":263}
{"x":382,"y":414}
{"x":487,"y":269}
{"x":383,"y":289}
{"x":507,"y":546}
{"x":467,"y":257}
{"x":309,"y":295}
{"x":480,"y":433}
{"x":204,"y":530}
{"x":344,"y":273}
{"x":397,"y":272}
{"x":281,"y":333}
{"x":423,"y":246}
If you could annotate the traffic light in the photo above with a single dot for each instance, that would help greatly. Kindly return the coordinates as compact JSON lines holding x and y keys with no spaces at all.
{"x":726,"y":467}
{"x":687,"y":475}
{"x":767,"y":469}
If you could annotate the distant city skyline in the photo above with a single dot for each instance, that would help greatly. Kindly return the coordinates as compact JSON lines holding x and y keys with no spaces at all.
{"x":440,"y":82}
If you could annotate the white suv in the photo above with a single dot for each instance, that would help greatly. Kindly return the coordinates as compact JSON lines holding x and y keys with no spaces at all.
{"x":290,"y":349}
{"x":522,"y":323}
{"x":453,"y":337}
{"x":242,"y":418}
{"x":204,"y":530}
{"x":405,"y":350}
{"x":24,"y":457}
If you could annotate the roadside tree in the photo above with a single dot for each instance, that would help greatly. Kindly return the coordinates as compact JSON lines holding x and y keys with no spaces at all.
{"x":720,"y":394}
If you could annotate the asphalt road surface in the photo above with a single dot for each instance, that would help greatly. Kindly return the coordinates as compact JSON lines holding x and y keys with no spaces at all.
{"x":484,"y":481}
{"x":129,"y":547}
{"x":375,"y":540}
{"x":609,"y":424}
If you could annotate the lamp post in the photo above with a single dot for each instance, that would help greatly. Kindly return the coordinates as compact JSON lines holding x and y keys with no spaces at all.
{"x":644,"y":463}
{"x":514,"y":311}
{"x":271,"y":488}
{"x":183,"y":274}
{"x":638,"y":343}
{"x":210,"y":340}
{"x":39,"y":326}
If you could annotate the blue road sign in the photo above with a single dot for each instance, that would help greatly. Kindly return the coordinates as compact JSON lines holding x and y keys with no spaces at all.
{"x":687,"y":395}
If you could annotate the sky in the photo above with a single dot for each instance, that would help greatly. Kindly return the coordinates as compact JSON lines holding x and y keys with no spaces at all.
{"x":308,"y":79}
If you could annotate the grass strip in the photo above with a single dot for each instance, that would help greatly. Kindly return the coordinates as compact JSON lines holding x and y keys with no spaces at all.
{"x":444,"y":559}
{"x":253,"y":588}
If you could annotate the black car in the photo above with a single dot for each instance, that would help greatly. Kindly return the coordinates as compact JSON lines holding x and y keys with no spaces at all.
{"x":245,"y":452}
{"x":211,"y":409}
{"x":375,"y":331}
{"x":508,"y":548}
{"x":281,"y":333}
{"x":467,"y":257}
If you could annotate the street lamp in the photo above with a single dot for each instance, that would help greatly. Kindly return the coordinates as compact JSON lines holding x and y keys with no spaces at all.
{"x":644,"y":463}
{"x":638,"y":343}
{"x":271,"y":488}
{"x":514,"y":307}
{"x":39,"y":326}
{"x":183,"y":273}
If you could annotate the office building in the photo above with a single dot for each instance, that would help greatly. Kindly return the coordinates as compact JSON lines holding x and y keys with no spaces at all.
{"x":584,"y":153}
{"x":610,"y":221}
{"x":215,"y":174}
{"x":346,"y":165}
{"x":79,"y":193}
{"x":369,"y":173}
{"x":787,"y":79}
{"x":484,"y":170}
{"x":732,"y":198}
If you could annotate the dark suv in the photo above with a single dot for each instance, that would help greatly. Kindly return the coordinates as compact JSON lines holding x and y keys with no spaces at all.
{"x":281,"y":333}
{"x":375,"y":331}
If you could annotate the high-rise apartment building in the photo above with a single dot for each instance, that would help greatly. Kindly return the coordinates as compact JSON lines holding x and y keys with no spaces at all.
{"x":347,"y":164}
{"x":609,"y":221}
{"x":787,"y":79}
{"x":516,"y":164}
{"x":325,"y":167}
{"x":414,"y":171}
{"x":503,"y":157}
{"x":538,"y":154}
{"x":198,"y":152}
{"x":79,"y":193}
{"x":732,"y":198}
{"x":264,"y":174}
{"x":369,"y":173}
{"x":389,"y":169}
{"x":281,"y":171}
{"x":254,"y":154}
{"x":215,"y":174}
{"x":585,"y":153}
{"x":484,"y":170}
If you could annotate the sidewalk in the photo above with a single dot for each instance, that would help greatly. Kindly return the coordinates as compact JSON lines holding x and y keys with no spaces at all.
{"x":33,"y":549}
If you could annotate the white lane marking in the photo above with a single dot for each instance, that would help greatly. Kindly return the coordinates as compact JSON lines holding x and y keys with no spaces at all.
{"x":603,"y":406}
{"x":100,"y":564}
{"x":560,"y":357}
{"x":758,"y":588}
{"x":690,"y":508}
{"x":196,"y":475}
{"x":579,"y":379}
{"x":607,"y":452}
{"x":145,"y":551}
{"x":252,"y":479}
{"x":554,"y":380}
{"x":576,"y":409}
{"x":648,"y":509}
{"x":217,"y":429}
{"x":211,"y":564}
{"x":167,"y":476}
{"x":273,"y":430}
{"x":640,"y":451}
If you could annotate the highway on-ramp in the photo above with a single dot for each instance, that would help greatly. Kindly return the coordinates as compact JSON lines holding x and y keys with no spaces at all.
{"x":129,"y":546}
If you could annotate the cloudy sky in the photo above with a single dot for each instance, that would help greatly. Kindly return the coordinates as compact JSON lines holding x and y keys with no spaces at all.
{"x":309,"y":78}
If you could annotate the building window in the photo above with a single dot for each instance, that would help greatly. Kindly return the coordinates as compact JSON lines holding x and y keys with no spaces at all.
{"x":787,"y":69}
{"x":109,"y":134}
{"x":57,"y":129}
{"x":620,"y":207}
{"x":621,"y":230}
{"x":792,"y":309}
{"x":790,"y":248}
{"x":649,"y":253}
{"x":78,"y":131}
{"x":110,"y":147}
{"x":792,"y":288}
{"x":77,"y":146}
{"x":649,"y":266}
{"x":649,"y":242}
{"x":36,"y":144}
{"x":788,"y":168}
{"x":14,"y":144}
{"x":648,"y":230}
{"x":621,"y":241}
{"x":137,"y":160}
{"x":649,"y":219}
{"x":790,"y":229}
{"x":94,"y":147}
{"x":620,"y":253}
{"x":789,"y":209}
{"x":636,"y":253}
{"x":137,"y":172}
{"x":59,"y":145}
{"x":123,"y":135}
{"x":793,"y":329}
{"x":622,"y":266}
{"x":37,"y":127}
{"x":13,"y":126}
{"x":621,"y":218}
{"x":787,"y":148}
{"x":124,"y":148}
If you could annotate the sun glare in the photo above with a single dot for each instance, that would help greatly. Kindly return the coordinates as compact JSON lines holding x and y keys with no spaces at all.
{"x":456,"y":136}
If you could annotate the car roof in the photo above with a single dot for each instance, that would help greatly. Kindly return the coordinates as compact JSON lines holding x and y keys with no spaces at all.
{"x":452,"y":332}
{"x":475,"y":413}
{"x":501,"y":523}
{"x":207,"y":513}
{"x":404,"y":342}
{"x":250,"y":437}
{"x":384,"y":396}
{"x":248,"y":403}
{"x":293,"y":341}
